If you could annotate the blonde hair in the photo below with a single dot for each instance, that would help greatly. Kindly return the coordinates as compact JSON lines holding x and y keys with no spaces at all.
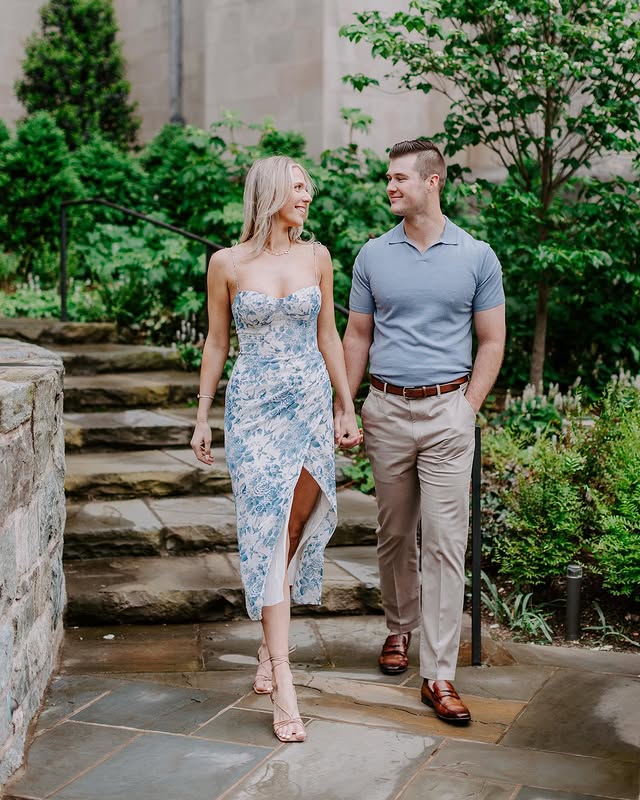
{"x":267,"y":188}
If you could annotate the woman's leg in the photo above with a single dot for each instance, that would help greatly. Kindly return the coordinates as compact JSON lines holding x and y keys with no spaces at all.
{"x":275,"y":619}
{"x":305,"y":496}
{"x":275,"y":625}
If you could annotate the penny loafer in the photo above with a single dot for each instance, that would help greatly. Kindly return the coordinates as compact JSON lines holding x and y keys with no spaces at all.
{"x":445,"y":701}
{"x":394,"y":657}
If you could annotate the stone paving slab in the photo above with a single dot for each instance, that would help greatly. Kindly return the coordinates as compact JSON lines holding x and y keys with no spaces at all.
{"x":428,"y":784}
{"x":49,"y":767}
{"x":366,"y":737}
{"x":577,"y":658}
{"x":85,"y":359}
{"x":131,"y":648}
{"x":559,"y":772}
{"x":132,"y":389}
{"x":606,"y":709}
{"x":159,"y":766}
{"x":135,"y":428}
{"x":356,"y":769}
{"x":519,"y":682}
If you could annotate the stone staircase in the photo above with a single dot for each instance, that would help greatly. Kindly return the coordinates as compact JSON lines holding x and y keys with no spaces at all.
{"x":150,"y":533}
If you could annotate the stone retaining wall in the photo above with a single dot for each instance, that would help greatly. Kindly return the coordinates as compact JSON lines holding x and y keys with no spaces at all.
{"x":32,"y":516}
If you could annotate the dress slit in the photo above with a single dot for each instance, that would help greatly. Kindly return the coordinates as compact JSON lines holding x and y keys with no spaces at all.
{"x":274,"y":583}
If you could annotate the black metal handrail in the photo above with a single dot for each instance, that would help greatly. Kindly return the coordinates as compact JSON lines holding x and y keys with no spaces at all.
{"x":210,"y":247}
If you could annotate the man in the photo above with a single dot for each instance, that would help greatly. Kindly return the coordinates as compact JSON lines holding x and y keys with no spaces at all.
{"x":416,"y":292}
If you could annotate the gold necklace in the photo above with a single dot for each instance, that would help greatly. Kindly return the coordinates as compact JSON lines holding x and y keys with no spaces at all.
{"x":273,"y":252}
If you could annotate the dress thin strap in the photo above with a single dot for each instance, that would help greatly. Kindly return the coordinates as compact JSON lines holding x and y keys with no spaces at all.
{"x":235,"y":270}
{"x":315,"y":265}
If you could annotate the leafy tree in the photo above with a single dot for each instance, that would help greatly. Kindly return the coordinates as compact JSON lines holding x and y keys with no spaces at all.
{"x":74,"y":68}
{"x":36,"y":175}
{"x":546,"y":85}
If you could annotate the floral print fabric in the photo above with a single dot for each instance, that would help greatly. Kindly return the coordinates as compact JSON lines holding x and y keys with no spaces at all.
{"x":278,"y":419}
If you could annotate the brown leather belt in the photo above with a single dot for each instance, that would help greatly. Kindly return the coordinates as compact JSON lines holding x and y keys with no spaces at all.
{"x":416,"y":392}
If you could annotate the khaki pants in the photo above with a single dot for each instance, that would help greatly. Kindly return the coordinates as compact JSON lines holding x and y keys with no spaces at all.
{"x":421,"y":452}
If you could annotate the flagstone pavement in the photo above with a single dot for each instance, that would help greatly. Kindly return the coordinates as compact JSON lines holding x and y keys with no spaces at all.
{"x":166,"y":712}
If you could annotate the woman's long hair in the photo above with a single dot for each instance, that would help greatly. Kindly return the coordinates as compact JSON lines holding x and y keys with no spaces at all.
{"x":266,"y":190}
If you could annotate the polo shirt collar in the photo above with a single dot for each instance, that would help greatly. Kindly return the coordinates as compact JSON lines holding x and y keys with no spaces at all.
{"x":449,"y":234}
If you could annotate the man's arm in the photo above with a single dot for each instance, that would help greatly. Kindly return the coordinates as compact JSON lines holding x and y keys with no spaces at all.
{"x":491,"y":332}
{"x":356,"y":343}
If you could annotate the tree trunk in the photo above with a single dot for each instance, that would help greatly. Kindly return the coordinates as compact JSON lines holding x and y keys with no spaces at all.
{"x":540,"y":337}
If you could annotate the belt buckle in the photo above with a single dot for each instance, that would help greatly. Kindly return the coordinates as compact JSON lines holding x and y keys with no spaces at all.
{"x":404,"y":389}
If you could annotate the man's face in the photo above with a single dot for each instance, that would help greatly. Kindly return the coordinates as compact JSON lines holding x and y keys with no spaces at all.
{"x":406,"y":190}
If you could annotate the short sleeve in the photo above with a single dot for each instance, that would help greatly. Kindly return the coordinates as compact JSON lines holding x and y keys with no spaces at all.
{"x":360,"y":298}
{"x":489,"y":289}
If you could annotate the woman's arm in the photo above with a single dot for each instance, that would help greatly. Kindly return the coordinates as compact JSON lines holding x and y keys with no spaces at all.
{"x":215,"y":351}
{"x":346,"y":428}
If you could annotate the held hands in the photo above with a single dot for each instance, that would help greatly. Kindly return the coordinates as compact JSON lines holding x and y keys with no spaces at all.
{"x":201,"y":443}
{"x":346,"y":431}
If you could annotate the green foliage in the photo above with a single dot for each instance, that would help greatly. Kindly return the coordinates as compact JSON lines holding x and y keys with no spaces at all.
{"x":568,"y":497}
{"x":30,"y":299}
{"x":535,"y":415}
{"x":607,"y":631}
{"x":547,"y":515}
{"x":143,"y":276}
{"x":360,"y":473}
{"x":193,"y":183}
{"x":75,"y":70}
{"x":547,"y":88}
{"x":515,"y":610}
{"x":36,"y":176}
{"x":112,"y":174}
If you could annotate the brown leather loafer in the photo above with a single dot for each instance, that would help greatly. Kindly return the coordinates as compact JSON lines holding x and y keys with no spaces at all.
{"x":394,"y":657}
{"x":445,"y":701}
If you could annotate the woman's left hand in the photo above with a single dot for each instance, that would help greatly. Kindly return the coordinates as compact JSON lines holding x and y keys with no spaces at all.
{"x":346,"y":431}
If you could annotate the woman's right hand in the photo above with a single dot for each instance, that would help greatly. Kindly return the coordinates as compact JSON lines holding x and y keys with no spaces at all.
{"x":201,"y":443}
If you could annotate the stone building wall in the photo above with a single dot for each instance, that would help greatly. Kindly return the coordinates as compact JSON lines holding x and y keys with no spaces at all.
{"x":277,"y":58}
{"x":32,"y":516}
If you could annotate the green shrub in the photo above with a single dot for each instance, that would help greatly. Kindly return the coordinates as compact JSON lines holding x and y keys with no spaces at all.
{"x":36,"y":176}
{"x":546,"y":518}
{"x":573,"y":497}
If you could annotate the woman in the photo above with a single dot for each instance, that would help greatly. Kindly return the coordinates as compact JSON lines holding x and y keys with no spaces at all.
{"x":279,"y":437}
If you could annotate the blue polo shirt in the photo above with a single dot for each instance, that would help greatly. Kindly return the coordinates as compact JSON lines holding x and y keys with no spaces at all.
{"x":423,"y":303}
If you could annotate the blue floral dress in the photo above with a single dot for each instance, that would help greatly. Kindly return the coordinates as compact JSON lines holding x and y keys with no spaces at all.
{"x":278,"y":419}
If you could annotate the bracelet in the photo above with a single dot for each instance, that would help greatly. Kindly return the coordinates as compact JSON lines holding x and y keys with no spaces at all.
{"x":208,"y":396}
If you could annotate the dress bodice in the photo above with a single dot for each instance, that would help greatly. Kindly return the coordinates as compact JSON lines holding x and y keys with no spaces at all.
{"x":270,"y":326}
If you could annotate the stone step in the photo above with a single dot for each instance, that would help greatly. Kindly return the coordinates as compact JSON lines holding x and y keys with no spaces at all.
{"x":53,"y":331}
{"x":203,"y":587}
{"x":177,"y":526}
{"x":158,"y":473}
{"x":137,"y":428}
{"x":89,"y":359}
{"x":131,"y":390}
{"x":136,"y":473}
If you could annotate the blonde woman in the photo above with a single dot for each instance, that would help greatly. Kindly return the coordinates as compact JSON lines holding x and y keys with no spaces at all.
{"x":279,"y":434}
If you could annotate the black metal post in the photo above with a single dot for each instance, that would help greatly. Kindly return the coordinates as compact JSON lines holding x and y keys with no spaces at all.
{"x":574,"y":579}
{"x":476,"y":554}
{"x":63,"y":263}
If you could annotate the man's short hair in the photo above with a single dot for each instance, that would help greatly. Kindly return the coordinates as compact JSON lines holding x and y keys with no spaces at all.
{"x":429,"y":160}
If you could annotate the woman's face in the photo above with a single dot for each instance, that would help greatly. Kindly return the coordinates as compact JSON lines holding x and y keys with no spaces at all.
{"x":295,"y":210}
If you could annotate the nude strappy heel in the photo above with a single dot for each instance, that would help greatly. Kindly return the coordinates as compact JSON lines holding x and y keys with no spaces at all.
{"x":261,"y":672}
{"x":277,"y":661}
